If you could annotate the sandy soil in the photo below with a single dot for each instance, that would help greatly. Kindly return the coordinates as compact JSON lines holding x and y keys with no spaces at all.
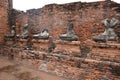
{"x":11,"y":70}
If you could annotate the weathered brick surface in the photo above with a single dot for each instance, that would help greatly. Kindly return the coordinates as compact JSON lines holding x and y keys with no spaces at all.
{"x":21,"y":19}
{"x":80,"y":60}
{"x":71,"y":67}
{"x":67,"y":48}
{"x":61,"y":47}
{"x":41,"y":45}
{"x":86,"y":18}
{"x":4,"y":28}
{"x":106,"y":52}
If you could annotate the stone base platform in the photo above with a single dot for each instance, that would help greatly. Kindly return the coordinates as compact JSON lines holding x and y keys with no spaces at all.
{"x":63,"y":61}
{"x":67,"y":48}
{"x":75,"y":68}
{"x":109,"y":51}
{"x":41,"y":45}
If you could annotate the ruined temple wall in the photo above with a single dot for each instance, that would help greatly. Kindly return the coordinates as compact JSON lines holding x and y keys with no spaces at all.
{"x":86,"y":18}
{"x":4,"y":15}
{"x":21,"y":19}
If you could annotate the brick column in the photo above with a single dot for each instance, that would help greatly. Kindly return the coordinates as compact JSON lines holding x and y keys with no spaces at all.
{"x":4,"y":26}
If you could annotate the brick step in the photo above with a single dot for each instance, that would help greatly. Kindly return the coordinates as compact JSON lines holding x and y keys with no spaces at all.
{"x":105,"y":52}
{"x":108,"y":54}
{"x":112,"y":59}
{"x":107,"y":45}
{"x":60,"y":57}
{"x":62,"y":65}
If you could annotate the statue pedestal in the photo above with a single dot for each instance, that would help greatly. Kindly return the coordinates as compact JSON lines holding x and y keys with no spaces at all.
{"x":9,"y":41}
{"x":22,"y":42}
{"x":67,"y":47}
{"x":41,"y":45}
{"x":106,"y":51}
{"x":109,"y":44}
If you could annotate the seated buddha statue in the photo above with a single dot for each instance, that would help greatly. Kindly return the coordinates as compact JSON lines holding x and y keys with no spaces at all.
{"x":12,"y":33}
{"x":24,"y":35}
{"x":70,"y":34}
{"x":109,"y":33}
{"x":42,"y":35}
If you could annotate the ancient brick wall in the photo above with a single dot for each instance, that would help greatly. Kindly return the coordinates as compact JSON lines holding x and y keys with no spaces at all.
{"x":4,"y":17}
{"x":75,"y":60}
{"x":21,"y":18}
{"x":86,"y":18}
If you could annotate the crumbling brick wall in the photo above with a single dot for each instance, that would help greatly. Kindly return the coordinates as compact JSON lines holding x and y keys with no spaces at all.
{"x":86,"y":18}
{"x":5,"y":7}
{"x":21,"y":18}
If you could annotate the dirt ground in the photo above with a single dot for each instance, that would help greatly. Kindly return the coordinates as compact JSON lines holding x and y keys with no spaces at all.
{"x":11,"y":70}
